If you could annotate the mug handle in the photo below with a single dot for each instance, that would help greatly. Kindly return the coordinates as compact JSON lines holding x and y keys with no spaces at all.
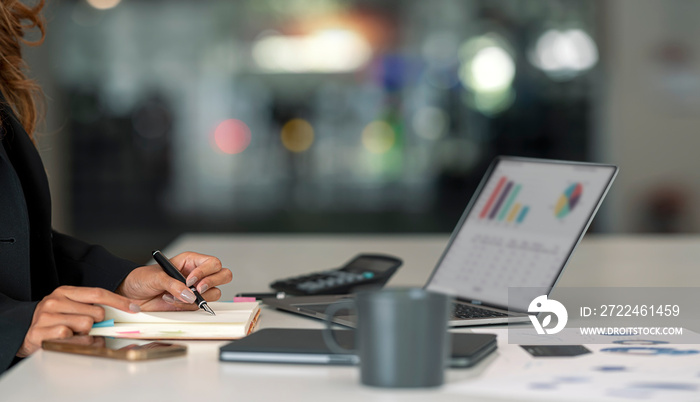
{"x":327,"y":332}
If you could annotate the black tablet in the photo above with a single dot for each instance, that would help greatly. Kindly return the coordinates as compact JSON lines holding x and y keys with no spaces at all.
{"x":306,"y":346}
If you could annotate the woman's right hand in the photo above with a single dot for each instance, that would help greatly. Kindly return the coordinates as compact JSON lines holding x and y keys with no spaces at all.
{"x":70,"y":310}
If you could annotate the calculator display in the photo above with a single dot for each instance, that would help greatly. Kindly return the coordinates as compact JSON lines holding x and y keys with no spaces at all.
{"x":369,"y":264}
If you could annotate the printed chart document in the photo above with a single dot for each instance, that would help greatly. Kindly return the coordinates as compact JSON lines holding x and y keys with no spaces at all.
{"x":232,"y":321}
{"x":628,"y":368}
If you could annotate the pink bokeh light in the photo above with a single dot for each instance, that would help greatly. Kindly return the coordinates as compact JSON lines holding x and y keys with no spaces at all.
{"x":232,"y":136}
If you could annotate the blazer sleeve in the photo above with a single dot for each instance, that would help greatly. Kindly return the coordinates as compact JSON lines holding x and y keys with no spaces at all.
{"x":82,"y":264}
{"x":15,"y":318}
{"x":77,"y":264}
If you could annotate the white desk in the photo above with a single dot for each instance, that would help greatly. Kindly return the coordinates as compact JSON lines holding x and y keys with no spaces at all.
{"x":257,"y":260}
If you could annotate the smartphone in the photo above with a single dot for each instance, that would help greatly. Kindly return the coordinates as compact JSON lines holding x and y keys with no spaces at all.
{"x":470,"y":348}
{"x":122,"y":349}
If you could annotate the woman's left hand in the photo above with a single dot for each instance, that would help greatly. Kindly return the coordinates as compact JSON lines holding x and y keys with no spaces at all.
{"x":157,"y":291}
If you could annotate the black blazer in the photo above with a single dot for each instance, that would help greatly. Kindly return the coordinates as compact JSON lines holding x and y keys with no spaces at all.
{"x":34,"y":259}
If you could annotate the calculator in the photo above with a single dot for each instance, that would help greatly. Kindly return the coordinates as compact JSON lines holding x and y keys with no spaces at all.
{"x":362,"y":271}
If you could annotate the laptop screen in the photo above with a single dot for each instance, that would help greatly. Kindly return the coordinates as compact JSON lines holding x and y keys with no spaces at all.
{"x":520,"y":228}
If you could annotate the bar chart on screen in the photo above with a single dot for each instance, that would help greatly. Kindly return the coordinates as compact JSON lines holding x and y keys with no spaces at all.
{"x":518,"y":202}
{"x":502,"y":204}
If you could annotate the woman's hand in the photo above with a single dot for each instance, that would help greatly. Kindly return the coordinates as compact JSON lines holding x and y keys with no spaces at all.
{"x":157,"y":291}
{"x":70,"y":310}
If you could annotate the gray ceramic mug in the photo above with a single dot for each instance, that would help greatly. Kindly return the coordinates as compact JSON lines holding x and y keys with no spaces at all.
{"x":401,"y":336}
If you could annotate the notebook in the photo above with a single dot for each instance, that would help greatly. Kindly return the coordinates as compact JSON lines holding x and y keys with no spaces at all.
{"x":519,"y":230}
{"x":306,"y":346}
{"x":232,"y":321}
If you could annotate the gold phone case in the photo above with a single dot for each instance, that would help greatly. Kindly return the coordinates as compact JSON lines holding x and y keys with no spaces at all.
{"x":99,"y":346}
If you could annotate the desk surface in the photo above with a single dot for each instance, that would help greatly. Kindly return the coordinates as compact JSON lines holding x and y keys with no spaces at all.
{"x":257,"y":260}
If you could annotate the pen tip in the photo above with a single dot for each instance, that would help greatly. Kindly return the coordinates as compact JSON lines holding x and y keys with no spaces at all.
{"x":208,"y":309}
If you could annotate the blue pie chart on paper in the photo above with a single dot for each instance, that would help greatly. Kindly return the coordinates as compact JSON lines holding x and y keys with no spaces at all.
{"x":651,"y":351}
{"x":639,"y":342}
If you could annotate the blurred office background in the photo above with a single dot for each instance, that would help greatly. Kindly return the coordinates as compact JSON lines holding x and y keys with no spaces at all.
{"x":357,"y":116}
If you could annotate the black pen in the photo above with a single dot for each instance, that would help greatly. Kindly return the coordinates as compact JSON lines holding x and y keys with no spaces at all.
{"x":170,"y":269}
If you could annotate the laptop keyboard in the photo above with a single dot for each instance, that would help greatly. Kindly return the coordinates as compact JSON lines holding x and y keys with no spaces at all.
{"x":464,"y":311}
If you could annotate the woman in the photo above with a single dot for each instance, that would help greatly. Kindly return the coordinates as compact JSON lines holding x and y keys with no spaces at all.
{"x":50,"y":283}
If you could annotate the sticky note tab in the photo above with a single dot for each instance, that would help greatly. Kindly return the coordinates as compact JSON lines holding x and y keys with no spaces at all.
{"x":243,"y":299}
{"x":105,"y":323}
{"x":129,"y":332}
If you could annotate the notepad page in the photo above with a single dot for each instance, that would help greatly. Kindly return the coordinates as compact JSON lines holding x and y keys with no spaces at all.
{"x":174,"y":331}
{"x":225,"y":313}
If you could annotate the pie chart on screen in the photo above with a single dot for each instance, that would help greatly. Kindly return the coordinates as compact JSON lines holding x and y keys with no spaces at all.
{"x":568,"y":200}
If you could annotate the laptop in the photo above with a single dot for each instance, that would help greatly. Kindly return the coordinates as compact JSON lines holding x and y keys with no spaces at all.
{"x":520,"y":229}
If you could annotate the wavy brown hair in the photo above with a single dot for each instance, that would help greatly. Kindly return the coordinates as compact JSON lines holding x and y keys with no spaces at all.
{"x":21,"y":93}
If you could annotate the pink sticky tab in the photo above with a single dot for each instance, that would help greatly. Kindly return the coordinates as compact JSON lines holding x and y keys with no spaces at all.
{"x":128,"y":332}
{"x":243,"y":299}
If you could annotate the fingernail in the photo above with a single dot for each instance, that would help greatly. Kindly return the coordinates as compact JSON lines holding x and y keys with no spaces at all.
{"x":135,"y":308}
{"x":192,"y":281}
{"x":168,"y":298}
{"x":203,"y":288}
{"x":188,"y":296}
